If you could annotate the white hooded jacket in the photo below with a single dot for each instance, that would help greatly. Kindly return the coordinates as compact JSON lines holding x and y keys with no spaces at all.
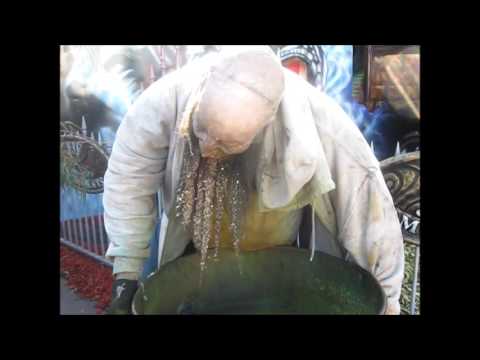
{"x":313,"y":154}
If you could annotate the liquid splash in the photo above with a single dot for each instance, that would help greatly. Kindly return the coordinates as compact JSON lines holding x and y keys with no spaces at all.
{"x":206,"y":189}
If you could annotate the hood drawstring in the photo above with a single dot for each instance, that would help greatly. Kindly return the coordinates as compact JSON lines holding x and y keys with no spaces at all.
{"x":312,"y":235}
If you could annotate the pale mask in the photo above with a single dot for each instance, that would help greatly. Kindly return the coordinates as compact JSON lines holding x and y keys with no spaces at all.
{"x":241,"y":97}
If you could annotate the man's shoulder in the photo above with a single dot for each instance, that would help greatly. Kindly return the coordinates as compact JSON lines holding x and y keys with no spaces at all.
{"x":329,"y":116}
{"x":338,"y":131}
{"x":326,"y":111}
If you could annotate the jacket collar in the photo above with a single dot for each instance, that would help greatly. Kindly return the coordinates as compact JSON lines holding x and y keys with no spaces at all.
{"x":292,"y":153}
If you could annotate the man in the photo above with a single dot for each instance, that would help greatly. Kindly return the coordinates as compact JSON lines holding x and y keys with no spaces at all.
{"x":239,"y":145}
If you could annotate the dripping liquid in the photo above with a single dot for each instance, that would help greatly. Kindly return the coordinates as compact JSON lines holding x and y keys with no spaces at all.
{"x":207,"y":189}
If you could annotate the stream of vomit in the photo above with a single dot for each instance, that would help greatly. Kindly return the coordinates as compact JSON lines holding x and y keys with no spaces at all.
{"x":206,"y":189}
{"x":237,"y":200}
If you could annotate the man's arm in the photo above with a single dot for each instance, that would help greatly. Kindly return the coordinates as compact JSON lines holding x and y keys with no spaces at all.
{"x":370,"y":232}
{"x":135,"y":173}
{"x":367,"y":221}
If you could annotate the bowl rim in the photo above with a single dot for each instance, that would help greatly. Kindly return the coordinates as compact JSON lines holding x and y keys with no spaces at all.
{"x":383,"y":302}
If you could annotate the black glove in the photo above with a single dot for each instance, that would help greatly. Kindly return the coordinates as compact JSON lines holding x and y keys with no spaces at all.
{"x":123,"y":291}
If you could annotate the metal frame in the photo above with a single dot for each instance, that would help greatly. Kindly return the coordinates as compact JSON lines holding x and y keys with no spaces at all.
{"x":413,"y":302}
{"x":83,"y":251}
{"x":86,"y":235}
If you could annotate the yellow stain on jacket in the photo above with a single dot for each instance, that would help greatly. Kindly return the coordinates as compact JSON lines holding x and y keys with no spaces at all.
{"x":262,"y":229}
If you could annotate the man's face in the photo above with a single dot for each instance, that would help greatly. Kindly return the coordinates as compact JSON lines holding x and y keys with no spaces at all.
{"x":218,"y":143}
{"x":223,"y":140}
{"x":239,"y":99}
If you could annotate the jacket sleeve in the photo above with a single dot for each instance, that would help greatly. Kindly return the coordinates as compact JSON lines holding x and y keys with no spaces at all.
{"x":135,"y":173}
{"x":367,"y":222}
{"x":371,"y":234}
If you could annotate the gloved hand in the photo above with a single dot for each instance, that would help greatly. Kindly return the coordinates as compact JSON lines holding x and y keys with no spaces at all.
{"x":123,"y":291}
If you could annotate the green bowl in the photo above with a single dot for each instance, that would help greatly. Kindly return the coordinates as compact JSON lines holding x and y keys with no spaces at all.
{"x":279,"y":280}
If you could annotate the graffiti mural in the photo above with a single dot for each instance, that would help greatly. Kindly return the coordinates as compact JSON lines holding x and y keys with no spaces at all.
{"x":402,"y":176}
{"x":98,"y":84}
{"x":377,"y":86}
{"x":84,"y":158}
{"x":293,"y":56}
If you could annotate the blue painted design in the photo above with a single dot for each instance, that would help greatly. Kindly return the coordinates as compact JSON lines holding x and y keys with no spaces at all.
{"x":117,"y":90}
{"x":74,"y":206}
{"x":338,"y":85}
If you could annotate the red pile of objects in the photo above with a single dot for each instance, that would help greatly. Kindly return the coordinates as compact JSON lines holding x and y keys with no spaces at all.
{"x":87,"y":277}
